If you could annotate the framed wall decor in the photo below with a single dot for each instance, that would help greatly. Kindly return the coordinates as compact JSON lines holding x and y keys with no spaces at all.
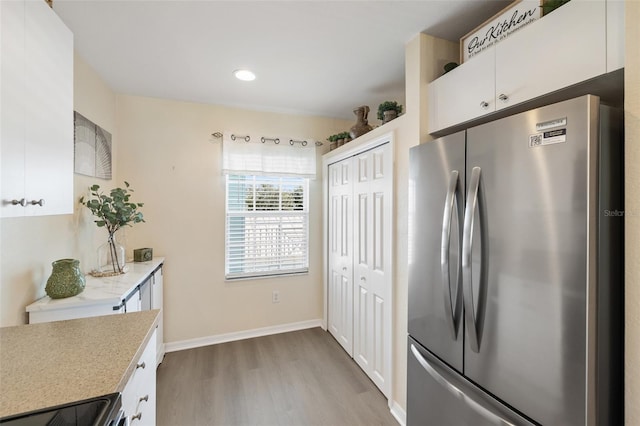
{"x":92,"y":148}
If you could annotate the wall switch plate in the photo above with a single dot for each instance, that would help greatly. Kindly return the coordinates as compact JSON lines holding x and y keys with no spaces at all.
{"x":275,"y":296}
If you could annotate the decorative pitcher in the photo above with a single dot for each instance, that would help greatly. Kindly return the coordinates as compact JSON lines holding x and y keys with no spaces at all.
{"x":66,"y":280}
{"x":362,"y":124}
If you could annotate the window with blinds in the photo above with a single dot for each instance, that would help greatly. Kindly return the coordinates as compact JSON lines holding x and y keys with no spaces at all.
{"x":267,"y":229}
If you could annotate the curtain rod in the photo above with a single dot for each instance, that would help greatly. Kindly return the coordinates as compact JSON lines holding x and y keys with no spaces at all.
{"x":263,"y":139}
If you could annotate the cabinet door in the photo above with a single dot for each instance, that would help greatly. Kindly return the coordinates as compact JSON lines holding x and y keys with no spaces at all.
{"x":12,"y":87}
{"x":341,"y":253}
{"x":463,"y":94}
{"x":372,"y":188}
{"x":49,"y":111}
{"x":132,"y":302}
{"x":615,"y":35}
{"x":156,"y":303}
{"x":139,"y":394}
{"x":565,"y":47}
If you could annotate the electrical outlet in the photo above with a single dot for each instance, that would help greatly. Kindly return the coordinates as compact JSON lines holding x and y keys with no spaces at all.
{"x":275,"y":296}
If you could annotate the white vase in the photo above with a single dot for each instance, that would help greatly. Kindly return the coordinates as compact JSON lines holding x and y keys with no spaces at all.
{"x":111,"y":257}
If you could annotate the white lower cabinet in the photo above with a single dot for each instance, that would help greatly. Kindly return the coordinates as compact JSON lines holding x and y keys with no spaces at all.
{"x":360,"y":204}
{"x":139,"y":394}
{"x":157,"y":290}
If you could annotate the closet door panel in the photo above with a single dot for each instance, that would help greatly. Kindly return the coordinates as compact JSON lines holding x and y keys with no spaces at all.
{"x":372,"y":270}
{"x":340,"y":245}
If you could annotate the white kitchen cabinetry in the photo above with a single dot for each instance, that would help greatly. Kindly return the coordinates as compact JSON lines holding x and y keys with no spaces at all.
{"x":132,"y":302}
{"x":103,"y":296}
{"x":565,"y":47}
{"x":579,"y":41}
{"x":464,"y":93}
{"x":359,"y":201}
{"x":615,"y":35}
{"x":139,"y":394}
{"x":157,"y":291}
{"x":36,"y":111}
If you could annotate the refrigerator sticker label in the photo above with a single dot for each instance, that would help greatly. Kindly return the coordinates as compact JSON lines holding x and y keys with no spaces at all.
{"x":550,"y":124}
{"x":548,"y":138}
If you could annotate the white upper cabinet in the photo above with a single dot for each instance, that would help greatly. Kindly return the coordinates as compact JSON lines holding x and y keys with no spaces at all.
{"x":615,"y":35}
{"x":565,"y":47}
{"x":37,"y":111}
{"x":464,"y":93}
{"x":581,"y":40}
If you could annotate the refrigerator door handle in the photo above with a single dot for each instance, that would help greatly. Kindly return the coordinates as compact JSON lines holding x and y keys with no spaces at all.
{"x":480,"y":409}
{"x":474,"y":318}
{"x":452,"y":308}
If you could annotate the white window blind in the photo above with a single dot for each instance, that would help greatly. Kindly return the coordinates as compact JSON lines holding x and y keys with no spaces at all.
{"x":267,"y":226}
{"x":257,"y":158}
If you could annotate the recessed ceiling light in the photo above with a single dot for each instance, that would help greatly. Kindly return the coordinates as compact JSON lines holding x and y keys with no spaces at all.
{"x":244,"y":75}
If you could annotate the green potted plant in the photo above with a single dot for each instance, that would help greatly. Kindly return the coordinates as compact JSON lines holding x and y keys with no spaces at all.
{"x":549,"y":6}
{"x":345,"y":136}
{"x":113,"y":211}
{"x":333,"y":142}
{"x":388,"y":110}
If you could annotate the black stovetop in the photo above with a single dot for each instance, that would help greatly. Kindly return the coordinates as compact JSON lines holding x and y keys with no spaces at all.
{"x":100,"y":411}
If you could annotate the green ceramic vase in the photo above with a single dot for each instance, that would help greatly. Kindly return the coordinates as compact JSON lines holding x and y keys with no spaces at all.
{"x":66,"y":280}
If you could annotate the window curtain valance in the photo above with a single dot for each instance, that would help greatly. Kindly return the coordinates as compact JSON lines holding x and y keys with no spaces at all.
{"x":255,"y":157}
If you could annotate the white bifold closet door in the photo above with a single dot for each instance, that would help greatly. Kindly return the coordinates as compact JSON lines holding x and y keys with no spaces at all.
{"x":341,"y":253}
{"x":360,"y":287}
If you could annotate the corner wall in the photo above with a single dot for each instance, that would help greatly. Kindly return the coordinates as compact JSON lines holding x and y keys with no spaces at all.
{"x":632,"y":213}
{"x":173,"y":163}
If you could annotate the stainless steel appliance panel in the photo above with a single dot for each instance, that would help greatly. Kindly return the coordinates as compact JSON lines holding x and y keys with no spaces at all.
{"x":436,"y":198}
{"x":527,"y":217}
{"x":439,"y":396}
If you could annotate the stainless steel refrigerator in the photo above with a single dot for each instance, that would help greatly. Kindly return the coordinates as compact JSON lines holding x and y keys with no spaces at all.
{"x":516,"y":271}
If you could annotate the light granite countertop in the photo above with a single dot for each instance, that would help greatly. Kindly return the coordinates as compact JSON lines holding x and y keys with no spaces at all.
{"x":102,"y":291}
{"x":47,"y":364}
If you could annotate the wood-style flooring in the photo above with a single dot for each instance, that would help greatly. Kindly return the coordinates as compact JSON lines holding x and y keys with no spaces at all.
{"x":297,"y":378}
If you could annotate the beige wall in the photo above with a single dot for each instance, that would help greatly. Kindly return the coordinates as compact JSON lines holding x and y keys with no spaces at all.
{"x":425,"y":57}
{"x":29,"y":245}
{"x":168,"y":156}
{"x":632,"y":208}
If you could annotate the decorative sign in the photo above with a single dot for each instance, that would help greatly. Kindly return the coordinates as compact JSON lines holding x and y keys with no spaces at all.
{"x":499,"y":27}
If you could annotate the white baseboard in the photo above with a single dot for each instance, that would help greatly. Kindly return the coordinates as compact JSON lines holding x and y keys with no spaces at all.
{"x":240,"y":335}
{"x":398,"y":413}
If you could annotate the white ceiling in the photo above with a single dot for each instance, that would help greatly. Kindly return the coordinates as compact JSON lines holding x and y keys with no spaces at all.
{"x":311,"y":57}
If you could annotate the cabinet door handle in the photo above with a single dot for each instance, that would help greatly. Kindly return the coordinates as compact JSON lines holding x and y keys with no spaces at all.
{"x":503,"y":97}
{"x":484,"y":104}
{"x":141,"y":365}
{"x":136,"y":417}
{"x":40,"y":202}
{"x":22,"y":202}
{"x":144,"y":398}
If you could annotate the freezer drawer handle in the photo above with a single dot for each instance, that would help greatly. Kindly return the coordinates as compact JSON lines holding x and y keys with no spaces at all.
{"x":453,"y":308}
{"x":486,"y":413}
{"x":474,"y":318}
